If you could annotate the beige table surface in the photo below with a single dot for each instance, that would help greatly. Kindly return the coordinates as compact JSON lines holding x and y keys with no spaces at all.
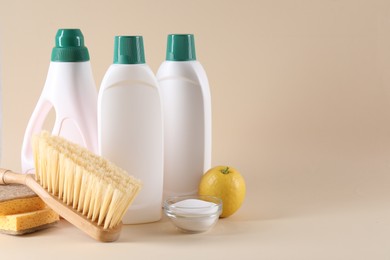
{"x":318,"y":224}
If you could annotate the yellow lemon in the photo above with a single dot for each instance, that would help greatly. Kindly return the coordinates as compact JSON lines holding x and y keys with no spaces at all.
{"x":225,"y":183}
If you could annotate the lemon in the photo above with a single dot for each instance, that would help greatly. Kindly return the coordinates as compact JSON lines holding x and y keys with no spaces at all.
{"x":225,"y":183}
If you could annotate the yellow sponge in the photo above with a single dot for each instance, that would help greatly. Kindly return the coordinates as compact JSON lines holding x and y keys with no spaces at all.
{"x":18,"y":199}
{"x":21,"y":205}
{"x":27,"y":222}
{"x":22,"y":211}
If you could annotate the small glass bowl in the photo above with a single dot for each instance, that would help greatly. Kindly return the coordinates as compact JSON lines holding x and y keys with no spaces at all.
{"x":193,"y":214}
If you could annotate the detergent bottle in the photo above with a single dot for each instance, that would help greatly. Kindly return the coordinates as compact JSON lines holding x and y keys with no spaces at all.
{"x":130,"y":125}
{"x":186,"y":103}
{"x":71,"y":91}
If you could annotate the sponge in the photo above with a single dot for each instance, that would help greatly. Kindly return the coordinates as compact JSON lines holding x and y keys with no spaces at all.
{"x":29,"y":222}
{"x":16,"y":199}
{"x":22,"y":211}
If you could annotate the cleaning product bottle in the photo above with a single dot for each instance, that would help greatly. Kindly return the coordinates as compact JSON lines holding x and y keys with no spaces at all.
{"x":130,"y":126}
{"x":70,"y":89}
{"x":186,"y":102}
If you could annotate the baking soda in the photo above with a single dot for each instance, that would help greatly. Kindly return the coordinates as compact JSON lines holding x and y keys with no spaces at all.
{"x":193,"y":215}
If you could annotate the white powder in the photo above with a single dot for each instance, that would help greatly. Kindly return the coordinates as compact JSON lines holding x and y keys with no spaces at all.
{"x":193,"y":215}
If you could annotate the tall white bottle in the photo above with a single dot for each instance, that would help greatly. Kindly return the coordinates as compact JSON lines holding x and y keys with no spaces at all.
{"x":130,"y":126}
{"x":70,"y":89}
{"x":186,"y":100}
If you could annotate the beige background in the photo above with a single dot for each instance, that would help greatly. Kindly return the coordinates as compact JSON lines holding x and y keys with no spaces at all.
{"x":301,"y":107}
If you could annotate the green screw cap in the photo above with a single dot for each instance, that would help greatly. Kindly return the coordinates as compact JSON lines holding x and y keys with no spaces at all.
{"x":69,"y":46}
{"x":181,"y":47}
{"x":129,"y":50}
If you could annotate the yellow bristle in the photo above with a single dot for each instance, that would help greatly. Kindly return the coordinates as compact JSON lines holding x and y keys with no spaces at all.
{"x":69,"y":182}
{"x":61,"y":174}
{"x":105,"y":203}
{"x":88,"y":191}
{"x":115,"y":202}
{"x":90,"y":184}
{"x":97,"y":200}
{"x":52,"y":168}
{"x":82,"y":195}
{"x":93,"y":190}
{"x":77,"y":186}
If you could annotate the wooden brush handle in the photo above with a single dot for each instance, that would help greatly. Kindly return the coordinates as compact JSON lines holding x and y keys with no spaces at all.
{"x":9,"y":177}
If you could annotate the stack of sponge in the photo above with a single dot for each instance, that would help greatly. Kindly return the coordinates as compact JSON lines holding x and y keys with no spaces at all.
{"x":22,"y":211}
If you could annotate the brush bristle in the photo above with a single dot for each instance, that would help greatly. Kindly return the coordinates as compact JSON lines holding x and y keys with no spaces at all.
{"x":89,"y":183}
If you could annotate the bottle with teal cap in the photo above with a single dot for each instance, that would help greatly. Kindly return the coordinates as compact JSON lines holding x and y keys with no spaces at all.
{"x":186,"y":101}
{"x":130,"y":126}
{"x":71,"y":91}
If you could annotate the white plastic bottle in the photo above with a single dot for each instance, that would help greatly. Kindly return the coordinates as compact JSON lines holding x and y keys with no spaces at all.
{"x":130,"y":126}
{"x":186,"y":100}
{"x":70,"y":89}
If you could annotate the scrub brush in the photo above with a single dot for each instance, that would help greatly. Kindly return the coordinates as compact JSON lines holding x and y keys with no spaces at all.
{"x":85,"y":189}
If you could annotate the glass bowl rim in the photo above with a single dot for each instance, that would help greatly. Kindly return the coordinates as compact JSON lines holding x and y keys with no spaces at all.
{"x":174,"y":199}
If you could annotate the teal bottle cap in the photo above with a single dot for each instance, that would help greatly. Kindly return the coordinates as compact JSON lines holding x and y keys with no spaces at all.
{"x":69,"y":46}
{"x":129,"y":50}
{"x":181,"y":47}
